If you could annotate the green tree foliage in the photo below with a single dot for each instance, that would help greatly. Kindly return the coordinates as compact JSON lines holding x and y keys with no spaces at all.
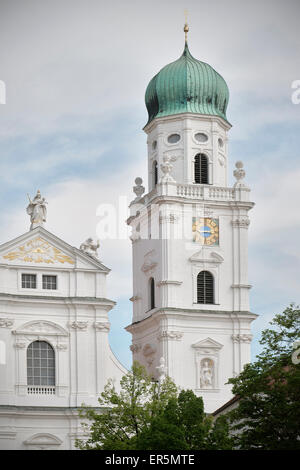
{"x":183,"y":425}
{"x":268,"y":414}
{"x":148,"y":416}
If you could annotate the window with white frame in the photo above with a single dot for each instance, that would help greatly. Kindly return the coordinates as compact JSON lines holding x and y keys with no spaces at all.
{"x":40,"y":364}
{"x":29,"y":281}
{"x":49,"y":282}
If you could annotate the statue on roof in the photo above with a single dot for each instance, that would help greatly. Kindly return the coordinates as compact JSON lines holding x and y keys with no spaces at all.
{"x":90,"y":247}
{"x":37,"y":210}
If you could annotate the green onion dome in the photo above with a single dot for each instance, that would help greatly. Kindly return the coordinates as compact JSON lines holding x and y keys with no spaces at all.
{"x":187,"y":86}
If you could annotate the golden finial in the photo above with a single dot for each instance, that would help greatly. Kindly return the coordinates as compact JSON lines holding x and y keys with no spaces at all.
{"x":186,"y":26}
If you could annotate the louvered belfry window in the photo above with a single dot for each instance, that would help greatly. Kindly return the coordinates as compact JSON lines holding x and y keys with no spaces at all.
{"x":152,"y":293}
{"x":201,"y":169}
{"x":205,"y":288}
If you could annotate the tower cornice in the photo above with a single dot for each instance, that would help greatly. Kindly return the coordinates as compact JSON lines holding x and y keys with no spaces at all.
{"x":184,"y":116}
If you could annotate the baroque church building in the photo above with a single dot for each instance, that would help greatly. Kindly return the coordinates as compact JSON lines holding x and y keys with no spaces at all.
{"x":191,"y":317}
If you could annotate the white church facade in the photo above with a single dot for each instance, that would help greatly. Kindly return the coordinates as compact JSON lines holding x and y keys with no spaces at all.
{"x":191,"y":317}
{"x":54,"y":327}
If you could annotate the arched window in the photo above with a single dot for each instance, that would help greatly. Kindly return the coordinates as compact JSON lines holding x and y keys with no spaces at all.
{"x":205,"y":288}
{"x":152,"y":293}
{"x":155,"y":173}
{"x":40,"y":364}
{"x":201,"y":169}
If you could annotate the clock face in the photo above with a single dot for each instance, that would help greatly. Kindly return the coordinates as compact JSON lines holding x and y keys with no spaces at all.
{"x":206,"y":230}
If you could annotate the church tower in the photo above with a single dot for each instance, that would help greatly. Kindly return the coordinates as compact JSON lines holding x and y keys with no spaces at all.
{"x":190,"y":237}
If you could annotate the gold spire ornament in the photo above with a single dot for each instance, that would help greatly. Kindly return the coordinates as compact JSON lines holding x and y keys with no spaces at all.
{"x":186,"y":26}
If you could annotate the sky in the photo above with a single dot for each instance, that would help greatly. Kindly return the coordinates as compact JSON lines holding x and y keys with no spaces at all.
{"x":76,"y":72}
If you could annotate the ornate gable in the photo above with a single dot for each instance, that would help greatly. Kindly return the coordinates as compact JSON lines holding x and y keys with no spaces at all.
{"x":43,"y":440}
{"x":37,"y":251}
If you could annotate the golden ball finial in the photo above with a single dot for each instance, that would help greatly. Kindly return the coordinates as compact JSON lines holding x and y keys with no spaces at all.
{"x":186,"y":26}
{"x":186,"y":30}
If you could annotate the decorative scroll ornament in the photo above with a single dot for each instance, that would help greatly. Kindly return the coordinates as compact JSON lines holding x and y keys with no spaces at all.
{"x":102,"y":326}
{"x":37,"y":210}
{"x":242,"y":338}
{"x":242,"y":222}
{"x":6,"y":323}
{"x":175,"y":335}
{"x":38,"y":251}
{"x":79,"y":325}
{"x":90,"y":247}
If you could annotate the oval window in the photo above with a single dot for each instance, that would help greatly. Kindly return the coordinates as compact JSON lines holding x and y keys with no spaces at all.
{"x":200,"y":137}
{"x":154,"y":144}
{"x":173,"y":138}
{"x":221,"y":143}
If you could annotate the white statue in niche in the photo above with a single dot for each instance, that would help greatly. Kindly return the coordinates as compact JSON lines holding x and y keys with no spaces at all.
{"x":37,"y":210}
{"x":207,"y":373}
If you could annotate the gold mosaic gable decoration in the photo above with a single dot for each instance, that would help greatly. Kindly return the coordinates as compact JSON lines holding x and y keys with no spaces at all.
{"x":38,"y":251}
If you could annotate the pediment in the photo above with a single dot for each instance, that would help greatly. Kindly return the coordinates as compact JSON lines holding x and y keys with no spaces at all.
{"x":39,"y":247}
{"x":207,"y":343}
{"x":44,"y":439}
{"x":206,"y":257}
{"x":37,"y":251}
{"x":44,"y":328}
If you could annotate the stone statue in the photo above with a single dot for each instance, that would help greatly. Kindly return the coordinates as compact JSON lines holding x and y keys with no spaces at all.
{"x":37,"y":210}
{"x":90,"y":247}
{"x":206,"y":374}
{"x":161,"y":370}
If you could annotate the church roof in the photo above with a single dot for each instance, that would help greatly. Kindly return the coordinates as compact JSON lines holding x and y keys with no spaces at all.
{"x":187,"y":85}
